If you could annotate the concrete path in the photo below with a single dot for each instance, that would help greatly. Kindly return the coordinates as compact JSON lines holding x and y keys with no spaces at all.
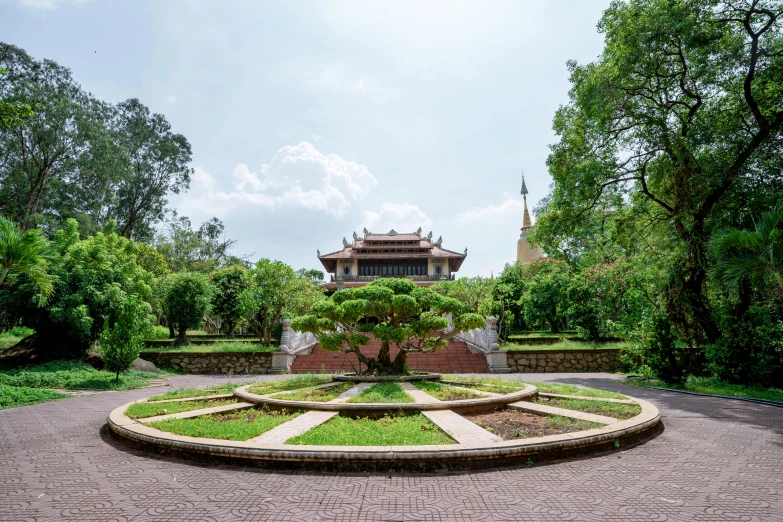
{"x":717,"y":461}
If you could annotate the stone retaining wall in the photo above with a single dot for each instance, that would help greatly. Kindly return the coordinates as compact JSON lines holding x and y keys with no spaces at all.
{"x":223,"y":362}
{"x":531,"y":361}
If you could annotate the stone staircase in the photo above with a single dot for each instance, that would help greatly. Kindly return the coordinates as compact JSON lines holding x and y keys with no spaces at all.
{"x":455,"y":358}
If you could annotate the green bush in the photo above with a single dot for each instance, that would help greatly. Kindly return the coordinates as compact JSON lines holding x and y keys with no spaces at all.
{"x":158,"y":332}
{"x":122,"y":342}
{"x":186,"y":302}
{"x":750,"y":352}
{"x":658,"y":351}
{"x":19,"y":331}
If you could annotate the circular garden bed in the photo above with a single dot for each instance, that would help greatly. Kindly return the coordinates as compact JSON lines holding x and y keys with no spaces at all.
{"x":317,"y":422}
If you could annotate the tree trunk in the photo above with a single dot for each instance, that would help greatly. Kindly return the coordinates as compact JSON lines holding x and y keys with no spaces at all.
{"x":384,"y":358}
{"x":230,"y":329}
{"x":400,"y":364}
{"x":182,"y":339}
{"x":172,"y":332}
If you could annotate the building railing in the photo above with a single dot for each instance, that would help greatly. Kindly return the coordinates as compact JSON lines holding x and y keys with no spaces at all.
{"x":360,"y":278}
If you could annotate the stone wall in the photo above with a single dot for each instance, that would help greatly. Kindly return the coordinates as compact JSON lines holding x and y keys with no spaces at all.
{"x":531,"y":361}
{"x":223,"y":362}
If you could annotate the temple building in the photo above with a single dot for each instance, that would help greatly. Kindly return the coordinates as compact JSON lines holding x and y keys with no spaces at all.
{"x":526,"y":252}
{"x":393,"y":254}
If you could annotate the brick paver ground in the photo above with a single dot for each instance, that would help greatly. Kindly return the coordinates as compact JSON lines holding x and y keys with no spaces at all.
{"x":717,"y":460}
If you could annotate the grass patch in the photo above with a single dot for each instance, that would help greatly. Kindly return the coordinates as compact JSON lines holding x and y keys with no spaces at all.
{"x":12,"y":396}
{"x":184,"y":393}
{"x":443,"y":392}
{"x":617,"y":410}
{"x":217,"y":347}
{"x":565,"y":345}
{"x":568,"y":389}
{"x":151,"y":409}
{"x":316,"y":395}
{"x":713,"y":386}
{"x":72,"y":376}
{"x":293,"y":383}
{"x":487,"y":384}
{"x":397,"y":430}
{"x":237,"y":425}
{"x":382,"y":392}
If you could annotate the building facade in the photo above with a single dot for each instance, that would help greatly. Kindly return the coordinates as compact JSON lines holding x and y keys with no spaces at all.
{"x":526,"y":252}
{"x":408,"y":255}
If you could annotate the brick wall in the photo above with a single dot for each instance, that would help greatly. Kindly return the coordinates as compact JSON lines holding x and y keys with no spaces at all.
{"x":225,"y":362}
{"x":531,"y":361}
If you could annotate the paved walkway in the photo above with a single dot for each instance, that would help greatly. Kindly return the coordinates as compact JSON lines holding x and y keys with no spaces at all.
{"x":718,"y":460}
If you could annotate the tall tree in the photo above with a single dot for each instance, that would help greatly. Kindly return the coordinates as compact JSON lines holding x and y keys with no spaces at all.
{"x":200,"y":250}
{"x":157,"y":165}
{"x":683,"y":103}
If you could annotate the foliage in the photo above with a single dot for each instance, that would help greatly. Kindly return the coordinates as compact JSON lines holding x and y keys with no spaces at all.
{"x":12,"y":396}
{"x":395,"y":311}
{"x":158,"y":332}
{"x":714,"y":386}
{"x":545,"y":301}
{"x":122,"y":341}
{"x":217,"y":347}
{"x":382,"y":392}
{"x":186,"y":302}
{"x":28,"y":253}
{"x":397,"y":430}
{"x":239,"y":425}
{"x":314,"y":276}
{"x":274,"y":292}
{"x":72,"y":375}
{"x":200,"y":250}
{"x":750,"y":351}
{"x":229,"y":283}
{"x":476,"y":293}
{"x":658,"y":349}
{"x":566,"y":344}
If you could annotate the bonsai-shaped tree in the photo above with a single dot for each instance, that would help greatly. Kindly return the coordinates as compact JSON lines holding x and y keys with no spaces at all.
{"x":187,"y":302}
{"x":394,"y":311}
{"x":122,"y":342}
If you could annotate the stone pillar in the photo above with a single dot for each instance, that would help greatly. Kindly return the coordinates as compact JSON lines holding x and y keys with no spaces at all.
{"x":285,"y":337}
{"x":492,"y":338}
{"x":497,"y":359}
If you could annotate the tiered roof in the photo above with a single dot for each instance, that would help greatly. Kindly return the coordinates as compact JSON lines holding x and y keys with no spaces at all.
{"x":392,"y":245}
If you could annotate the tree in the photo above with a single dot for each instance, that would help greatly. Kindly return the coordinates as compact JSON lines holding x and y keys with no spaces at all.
{"x":12,"y":113}
{"x":29,"y":253}
{"x":201,"y":250}
{"x":474,"y":292}
{"x":187,"y":302}
{"x":157,"y":165}
{"x":229,"y":283}
{"x":274,"y":292}
{"x":122,"y":341}
{"x":753,"y":257}
{"x":546,"y":297}
{"x":314,"y":276}
{"x":675,"y":120}
{"x":395,"y":311}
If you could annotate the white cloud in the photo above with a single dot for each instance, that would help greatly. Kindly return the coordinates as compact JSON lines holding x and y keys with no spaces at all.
{"x":401,"y":217}
{"x":48,"y":5}
{"x":299,"y":176}
{"x":507,"y":208}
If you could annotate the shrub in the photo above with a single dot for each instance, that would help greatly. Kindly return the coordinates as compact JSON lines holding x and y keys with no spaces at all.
{"x":158,"y":332}
{"x":20,"y":331}
{"x":659,"y":352}
{"x":122,"y":342}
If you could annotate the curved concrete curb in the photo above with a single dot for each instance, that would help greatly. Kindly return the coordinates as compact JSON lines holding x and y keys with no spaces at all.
{"x":528,"y":393}
{"x":388,"y":458}
{"x":386,"y":378}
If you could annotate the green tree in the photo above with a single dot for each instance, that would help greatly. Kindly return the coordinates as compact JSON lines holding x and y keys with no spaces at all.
{"x":157,"y":165}
{"x":200,"y":250}
{"x":122,"y":341}
{"x":29,"y":253}
{"x":675,"y":120}
{"x":12,"y":113}
{"x":187,"y":302}
{"x":474,"y":292}
{"x":546,"y":297}
{"x":229,"y":283}
{"x":395,"y":311}
{"x":275,"y":291}
{"x":753,"y":257}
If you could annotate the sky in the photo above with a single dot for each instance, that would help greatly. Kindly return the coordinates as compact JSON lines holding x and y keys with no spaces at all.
{"x":313,"y":119}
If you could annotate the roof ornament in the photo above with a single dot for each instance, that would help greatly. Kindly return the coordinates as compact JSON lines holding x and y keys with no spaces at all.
{"x":345,"y":243}
{"x":392,"y":232}
{"x":524,"y":187}
{"x":318,"y":251}
{"x":355,"y":236}
{"x":429,"y":236}
{"x":366,"y":231}
{"x":466,"y":250}
{"x":527,"y":223}
{"x":418,"y":232}
{"x":439,"y":241}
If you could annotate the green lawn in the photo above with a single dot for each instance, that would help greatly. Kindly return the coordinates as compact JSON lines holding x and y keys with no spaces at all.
{"x":568,"y":389}
{"x":488,"y":384}
{"x":11,"y":396}
{"x":564,"y":345}
{"x":714,"y":386}
{"x":72,"y":376}
{"x":316,"y":395}
{"x":239,"y":425}
{"x":292,"y":383}
{"x":223,"y":346}
{"x":398,"y":430}
{"x":382,"y":392}
{"x":151,"y":409}
{"x":183,"y":393}
{"x":444,"y":392}
{"x":618,"y":410}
